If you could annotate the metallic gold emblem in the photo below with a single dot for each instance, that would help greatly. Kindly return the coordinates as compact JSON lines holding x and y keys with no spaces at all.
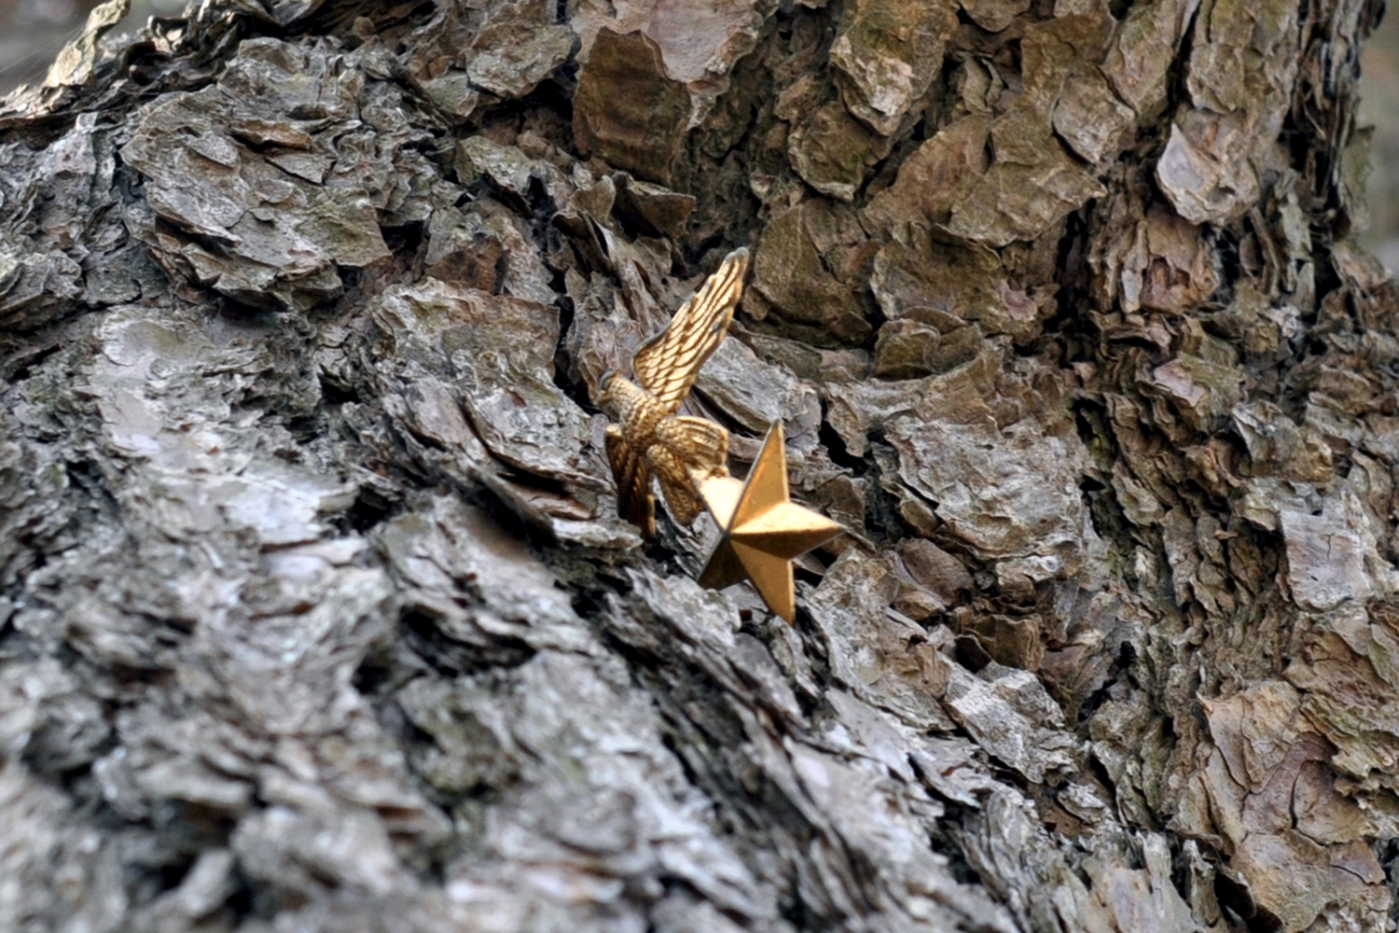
{"x":761,"y":528}
{"x":649,"y":438}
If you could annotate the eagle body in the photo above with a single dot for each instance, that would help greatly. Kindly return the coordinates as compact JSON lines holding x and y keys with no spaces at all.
{"x":648,"y":437}
{"x":636,"y":411}
{"x":649,"y":441}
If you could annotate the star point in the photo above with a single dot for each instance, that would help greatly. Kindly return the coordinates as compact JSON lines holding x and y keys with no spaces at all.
{"x":761,"y":529}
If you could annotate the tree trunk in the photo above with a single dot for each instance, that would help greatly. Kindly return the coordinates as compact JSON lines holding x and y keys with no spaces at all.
{"x":316,"y":611}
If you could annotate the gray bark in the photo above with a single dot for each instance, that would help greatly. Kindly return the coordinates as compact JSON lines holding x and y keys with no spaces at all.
{"x":315,"y":611}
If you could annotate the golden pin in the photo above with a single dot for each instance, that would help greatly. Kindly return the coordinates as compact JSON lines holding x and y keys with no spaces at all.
{"x":761,"y":529}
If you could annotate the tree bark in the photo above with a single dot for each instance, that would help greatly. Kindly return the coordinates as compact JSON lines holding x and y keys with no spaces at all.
{"x":316,"y":613}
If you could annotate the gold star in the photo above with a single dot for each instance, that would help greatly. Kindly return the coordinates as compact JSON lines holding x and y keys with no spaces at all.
{"x":761,"y":529}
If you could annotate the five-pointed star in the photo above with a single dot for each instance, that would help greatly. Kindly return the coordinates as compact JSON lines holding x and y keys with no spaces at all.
{"x":761,"y":529}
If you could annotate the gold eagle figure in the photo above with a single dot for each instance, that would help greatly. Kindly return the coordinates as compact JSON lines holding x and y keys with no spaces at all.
{"x":649,"y":438}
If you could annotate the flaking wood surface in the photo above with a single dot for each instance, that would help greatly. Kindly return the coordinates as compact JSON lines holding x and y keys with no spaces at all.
{"x":315,"y":609}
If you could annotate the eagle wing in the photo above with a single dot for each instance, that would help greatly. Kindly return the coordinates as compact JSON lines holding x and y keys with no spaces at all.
{"x":667,"y":364}
{"x":634,"y":500}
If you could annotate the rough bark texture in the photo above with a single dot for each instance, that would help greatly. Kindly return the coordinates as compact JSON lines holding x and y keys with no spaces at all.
{"x":315,"y":613}
{"x":1379,"y":116}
